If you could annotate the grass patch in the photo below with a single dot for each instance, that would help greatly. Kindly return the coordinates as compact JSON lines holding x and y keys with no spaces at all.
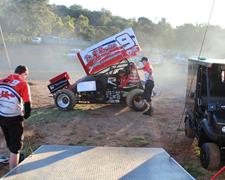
{"x":83,"y":142}
{"x":30,"y":145}
{"x":29,"y":148}
{"x":194,"y":169}
{"x":124,"y":144}
{"x":48,"y":115}
{"x":196,"y":151}
{"x":139,"y":141}
{"x":73,"y":132}
{"x":71,"y":144}
{"x":180,"y":129}
{"x":100,"y":136}
{"x":197,"y":171}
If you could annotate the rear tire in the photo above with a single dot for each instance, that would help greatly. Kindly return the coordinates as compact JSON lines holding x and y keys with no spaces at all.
{"x":65,"y":99}
{"x":135,"y":100}
{"x":210,"y":156}
{"x":189,"y":131}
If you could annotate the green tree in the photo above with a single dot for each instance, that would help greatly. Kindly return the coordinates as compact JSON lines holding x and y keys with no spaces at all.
{"x":82,"y":24}
{"x":90,"y":33}
{"x":69,"y":24}
{"x":29,"y":17}
{"x":2,"y":5}
{"x":189,"y":37}
{"x":165,"y":34}
{"x":105,"y":17}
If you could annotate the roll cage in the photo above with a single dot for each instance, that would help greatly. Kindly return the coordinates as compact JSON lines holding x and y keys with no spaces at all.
{"x":125,"y":64}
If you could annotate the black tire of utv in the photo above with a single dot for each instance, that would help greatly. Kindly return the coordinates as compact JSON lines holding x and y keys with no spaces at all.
{"x":189,"y":132}
{"x":130,"y":99}
{"x":210,"y":156}
{"x":71,"y":95}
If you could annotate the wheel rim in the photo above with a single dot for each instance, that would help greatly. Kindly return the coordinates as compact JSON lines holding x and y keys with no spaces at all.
{"x":63,"y":100}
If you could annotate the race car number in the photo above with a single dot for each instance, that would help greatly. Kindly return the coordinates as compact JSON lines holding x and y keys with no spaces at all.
{"x":125,"y":41}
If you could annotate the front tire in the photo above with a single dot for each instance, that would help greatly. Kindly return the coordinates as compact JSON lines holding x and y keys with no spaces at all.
{"x":135,"y":100}
{"x":65,"y":99}
{"x":210,"y":156}
{"x":189,"y":131}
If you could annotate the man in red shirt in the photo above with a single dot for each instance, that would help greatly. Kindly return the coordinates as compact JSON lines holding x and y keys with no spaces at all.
{"x":15,"y":106}
{"x":149,"y":84}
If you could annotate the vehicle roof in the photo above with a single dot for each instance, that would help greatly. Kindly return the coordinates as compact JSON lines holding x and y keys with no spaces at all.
{"x":208,"y":62}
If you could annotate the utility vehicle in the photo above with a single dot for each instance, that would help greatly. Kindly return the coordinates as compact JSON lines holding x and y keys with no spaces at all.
{"x":205,"y":108}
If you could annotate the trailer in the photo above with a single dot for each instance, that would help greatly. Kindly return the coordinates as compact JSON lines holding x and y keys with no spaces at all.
{"x":88,"y":162}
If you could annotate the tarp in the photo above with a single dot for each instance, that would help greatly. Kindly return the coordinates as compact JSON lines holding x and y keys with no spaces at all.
{"x":109,"y":51}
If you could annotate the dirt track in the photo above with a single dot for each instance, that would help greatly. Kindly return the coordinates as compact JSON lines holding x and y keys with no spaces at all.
{"x":117,"y":125}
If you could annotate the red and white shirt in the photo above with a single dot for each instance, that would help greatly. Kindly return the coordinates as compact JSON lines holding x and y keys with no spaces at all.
{"x":14,"y":92}
{"x":148,"y":72}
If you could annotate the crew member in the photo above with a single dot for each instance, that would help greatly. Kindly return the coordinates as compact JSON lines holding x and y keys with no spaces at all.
{"x":149,"y":85}
{"x":15,"y":106}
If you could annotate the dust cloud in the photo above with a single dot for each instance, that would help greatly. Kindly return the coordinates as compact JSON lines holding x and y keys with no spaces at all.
{"x":47,"y":60}
{"x":43,"y":60}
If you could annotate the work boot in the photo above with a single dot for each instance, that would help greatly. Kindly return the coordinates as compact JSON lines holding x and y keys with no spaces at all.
{"x":149,"y":112}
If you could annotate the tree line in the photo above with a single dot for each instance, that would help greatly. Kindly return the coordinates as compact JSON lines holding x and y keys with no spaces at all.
{"x":23,"y":19}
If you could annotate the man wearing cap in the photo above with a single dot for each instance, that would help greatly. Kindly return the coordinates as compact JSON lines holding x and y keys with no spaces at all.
{"x":149,"y":84}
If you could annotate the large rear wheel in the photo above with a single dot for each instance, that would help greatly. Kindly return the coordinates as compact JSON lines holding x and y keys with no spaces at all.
{"x":210,"y":156}
{"x":135,"y":100}
{"x":65,"y":99}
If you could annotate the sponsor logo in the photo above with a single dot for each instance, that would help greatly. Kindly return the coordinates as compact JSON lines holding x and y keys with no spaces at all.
{"x":6,"y":94}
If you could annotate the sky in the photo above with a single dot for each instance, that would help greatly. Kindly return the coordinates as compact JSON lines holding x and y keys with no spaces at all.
{"x":176,"y":12}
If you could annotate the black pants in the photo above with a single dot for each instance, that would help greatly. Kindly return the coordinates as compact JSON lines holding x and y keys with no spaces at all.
{"x":149,"y":85}
{"x":12,"y":128}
